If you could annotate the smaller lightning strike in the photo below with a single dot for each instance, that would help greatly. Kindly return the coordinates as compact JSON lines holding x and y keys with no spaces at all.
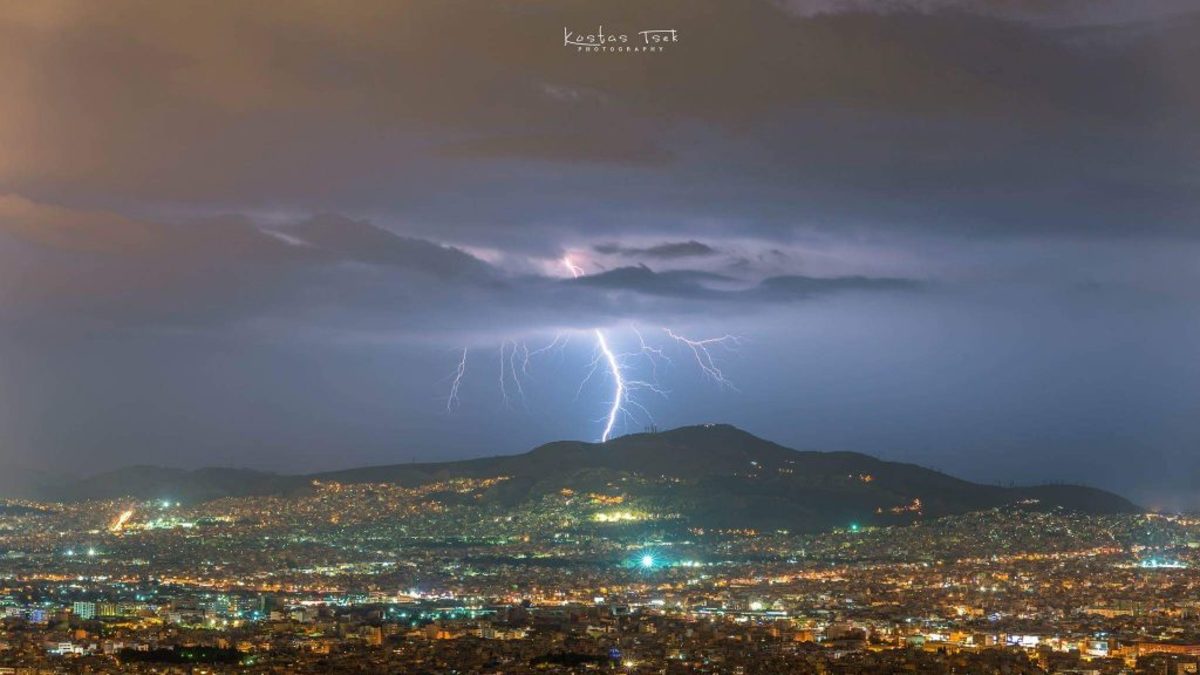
{"x":653,"y":354}
{"x":525,"y":360}
{"x":503,"y":390}
{"x":558,"y":343}
{"x":649,"y":349}
{"x":701,"y":350}
{"x":508,"y":370}
{"x":575,"y":270}
{"x":456,"y":381}
{"x":515,"y":362}
{"x":512,"y":367}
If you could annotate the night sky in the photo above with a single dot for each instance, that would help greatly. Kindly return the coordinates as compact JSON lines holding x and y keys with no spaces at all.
{"x":958,"y":234}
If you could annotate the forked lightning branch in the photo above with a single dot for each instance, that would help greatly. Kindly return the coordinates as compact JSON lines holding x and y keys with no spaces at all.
{"x":623,"y":406}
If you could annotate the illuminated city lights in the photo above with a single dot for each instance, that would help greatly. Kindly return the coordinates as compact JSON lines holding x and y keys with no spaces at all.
{"x":121,"y":520}
{"x":617,"y":517}
{"x":231,"y":579}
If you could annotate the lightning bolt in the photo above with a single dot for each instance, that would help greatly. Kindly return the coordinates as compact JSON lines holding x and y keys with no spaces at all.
{"x":505,"y":366}
{"x":503,"y":391}
{"x":515,"y":362}
{"x":512,"y":368}
{"x":559,"y":342}
{"x":701,"y":350}
{"x":653,"y":354}
{"x":575,"y":270}
{"x":456,"y":381}
{"x":614,"y":367}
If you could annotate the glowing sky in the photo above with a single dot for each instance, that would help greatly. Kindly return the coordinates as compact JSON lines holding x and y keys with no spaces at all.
{"x":262,"y":234}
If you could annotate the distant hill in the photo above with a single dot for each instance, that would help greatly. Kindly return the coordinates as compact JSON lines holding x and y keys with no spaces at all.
{"x":718,"y":475}
{"x":19,"y":482}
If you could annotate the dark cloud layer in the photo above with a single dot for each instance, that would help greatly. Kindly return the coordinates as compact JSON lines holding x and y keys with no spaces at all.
{"x":673,"y":249}
{"x":217,"y":272}
{"x":776,"y":115}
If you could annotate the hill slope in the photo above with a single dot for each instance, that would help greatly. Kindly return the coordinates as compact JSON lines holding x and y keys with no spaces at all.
{"x":716,"y":475}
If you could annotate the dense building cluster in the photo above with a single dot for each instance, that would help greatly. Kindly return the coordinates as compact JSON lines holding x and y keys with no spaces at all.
{"x":444,"y":577}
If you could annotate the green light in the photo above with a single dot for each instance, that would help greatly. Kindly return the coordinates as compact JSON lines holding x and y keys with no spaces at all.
{"x":854,"y":527}
{"x":647,"y":560}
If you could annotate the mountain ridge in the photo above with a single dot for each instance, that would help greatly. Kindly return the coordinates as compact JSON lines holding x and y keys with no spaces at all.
{"x":719,"y":474}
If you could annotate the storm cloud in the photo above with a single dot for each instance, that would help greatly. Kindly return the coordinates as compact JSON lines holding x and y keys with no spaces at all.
{"x":673,"y":249}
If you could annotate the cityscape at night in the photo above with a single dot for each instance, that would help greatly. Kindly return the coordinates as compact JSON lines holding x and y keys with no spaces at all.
{"x":602,"y":569}
{"x":658,"y":337}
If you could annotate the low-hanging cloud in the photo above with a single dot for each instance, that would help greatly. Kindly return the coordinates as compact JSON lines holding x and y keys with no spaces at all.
{"x":666,"y":250}
{"x":333,"y":273}
{"x":217,"y":273}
